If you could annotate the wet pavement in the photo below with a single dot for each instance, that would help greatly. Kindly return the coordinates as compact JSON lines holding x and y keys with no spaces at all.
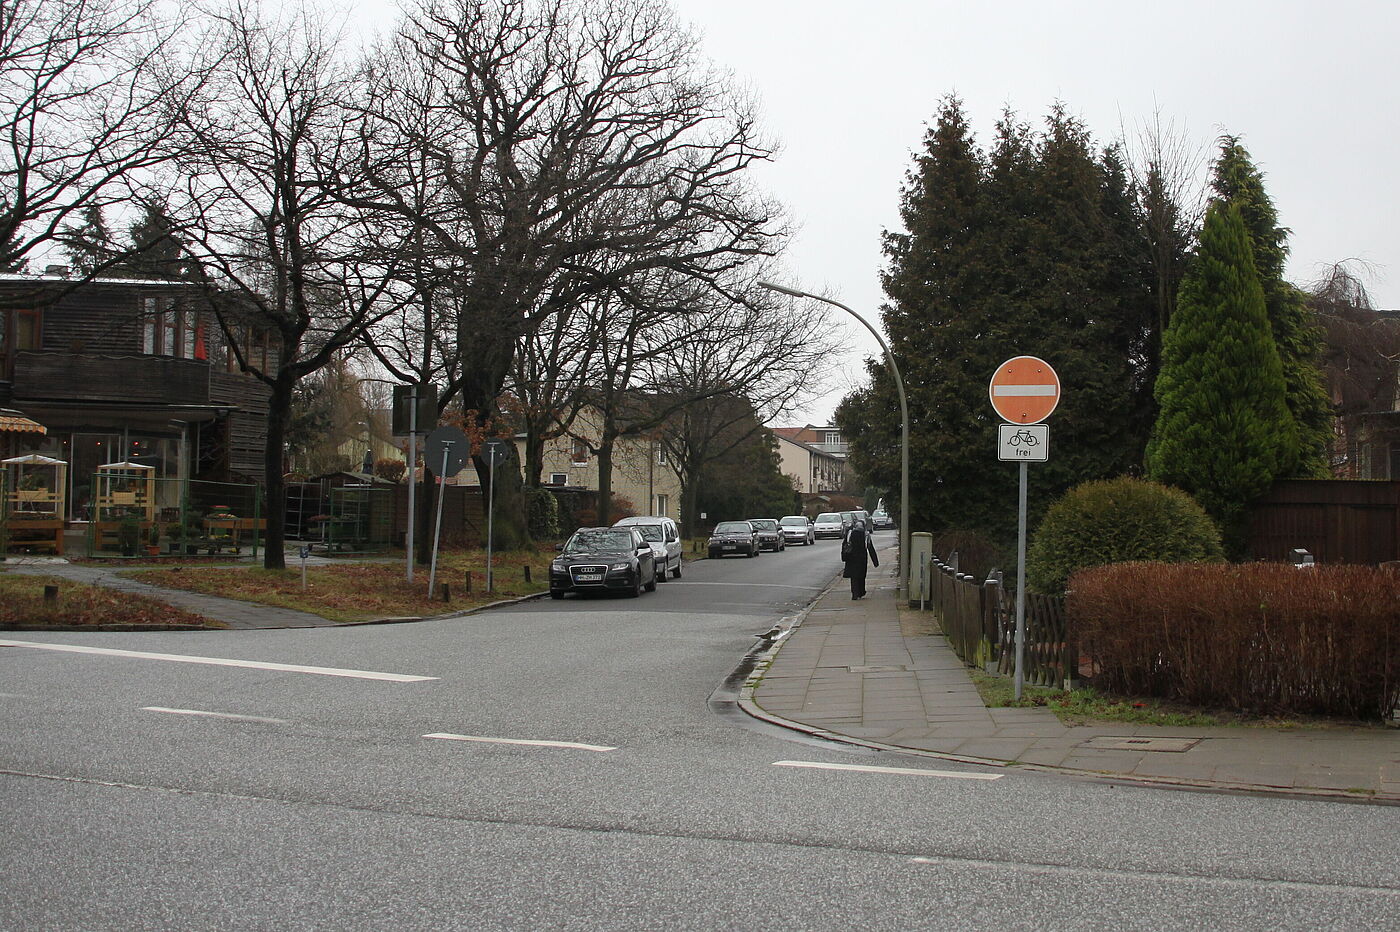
{"x":849,"y":670}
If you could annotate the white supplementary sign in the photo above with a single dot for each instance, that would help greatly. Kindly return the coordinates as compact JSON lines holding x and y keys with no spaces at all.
{"x":1029,"y":443}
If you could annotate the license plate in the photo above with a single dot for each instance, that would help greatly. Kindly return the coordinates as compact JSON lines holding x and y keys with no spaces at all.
{"x":730,"y":547}
{"x":590,"y":577}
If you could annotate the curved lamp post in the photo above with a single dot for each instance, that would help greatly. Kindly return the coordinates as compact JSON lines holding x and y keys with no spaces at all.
{"x":904,"y":428}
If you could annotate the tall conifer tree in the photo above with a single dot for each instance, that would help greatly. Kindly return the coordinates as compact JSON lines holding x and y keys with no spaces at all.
{"x":1299,"y":339}
{"x":1224,"y":432}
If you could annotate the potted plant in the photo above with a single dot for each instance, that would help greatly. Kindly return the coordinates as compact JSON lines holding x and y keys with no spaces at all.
{"x":153,"y":540}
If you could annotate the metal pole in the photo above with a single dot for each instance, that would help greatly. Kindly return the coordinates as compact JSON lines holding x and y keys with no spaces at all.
{"x":490,"y":512}
{"x":1021,"y":579}
{"x":412,"y":475}
{"x":437,"y":531}
{"x":904,"y":428}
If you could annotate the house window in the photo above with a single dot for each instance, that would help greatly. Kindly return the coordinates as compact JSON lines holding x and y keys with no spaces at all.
{"x":833,"y":438}
{"x":663,"y":502}
{"x":579,"y":455}
{"x":168,"y":330}
{"x":27,"y":330}
{"x":558,"y":478}
{"x":660,"y":456}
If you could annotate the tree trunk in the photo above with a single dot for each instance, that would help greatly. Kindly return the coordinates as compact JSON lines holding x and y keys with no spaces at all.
{"x":279,"y":415}
{"x":690,"y":497}
{"x":605,"y":470}
{"x":508,"y":527}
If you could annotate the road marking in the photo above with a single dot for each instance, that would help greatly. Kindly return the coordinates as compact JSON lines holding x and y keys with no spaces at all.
{"x":221,"y":662}
{"x":747,"y":585}
{"x":534,"y":744}
{"x":228,"y":715}
{"x":911,"y":771}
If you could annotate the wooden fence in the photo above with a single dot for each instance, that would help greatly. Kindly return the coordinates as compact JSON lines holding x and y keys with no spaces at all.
{"x":1336,"y":520}
{"x":979,"y":620}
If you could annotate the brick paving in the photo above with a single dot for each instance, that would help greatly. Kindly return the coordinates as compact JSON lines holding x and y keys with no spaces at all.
{"x":849,"y":670}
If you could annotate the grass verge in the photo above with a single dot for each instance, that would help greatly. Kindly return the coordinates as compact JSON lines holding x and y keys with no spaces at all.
{"x":22,"y":606}
{"x":367,"y":591}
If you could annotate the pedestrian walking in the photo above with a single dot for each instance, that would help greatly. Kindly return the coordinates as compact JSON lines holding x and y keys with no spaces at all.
{"x":855,"y":549}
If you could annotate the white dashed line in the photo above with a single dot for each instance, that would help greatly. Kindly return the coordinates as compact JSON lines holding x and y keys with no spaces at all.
{"x":228,"y":715}
{"x":221,"y":662}
{"x":535,"y":744}
{"x":908,"y":771}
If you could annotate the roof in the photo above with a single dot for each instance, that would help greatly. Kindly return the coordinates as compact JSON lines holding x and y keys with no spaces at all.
{"x":79,"y":280}
{"x":804,"y":445}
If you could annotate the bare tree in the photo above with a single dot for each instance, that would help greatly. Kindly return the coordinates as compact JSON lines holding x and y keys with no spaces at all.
{"x":260,"y":208}
{"x":578,"y":143}
{"x":83,"y":104}
{"x":758,"y":361}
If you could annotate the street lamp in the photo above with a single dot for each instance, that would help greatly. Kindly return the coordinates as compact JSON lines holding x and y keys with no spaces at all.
{"x":904,"y":428}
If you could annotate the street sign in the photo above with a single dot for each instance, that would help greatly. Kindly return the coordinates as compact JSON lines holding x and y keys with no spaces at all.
{"x":403,"y":406}
{"x":1024,"y":390}
{"x":495,"y":452}
{"x":450,"y":440}
{"x":1029,"y":444}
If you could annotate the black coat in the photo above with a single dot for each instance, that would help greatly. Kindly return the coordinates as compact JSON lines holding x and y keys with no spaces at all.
{"x":855,"y":549}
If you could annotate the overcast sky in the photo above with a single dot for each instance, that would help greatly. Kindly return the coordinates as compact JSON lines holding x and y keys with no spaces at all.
{"x":847,"y":88}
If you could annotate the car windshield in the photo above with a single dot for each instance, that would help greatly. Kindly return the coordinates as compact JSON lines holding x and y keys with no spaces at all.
{"x":733,"y":527}
{"x":831,"y":517}
{"x":651,"y":531}
{"x":764,"y":524}
{"x":793,"y":522}
{"x":600,"y":540}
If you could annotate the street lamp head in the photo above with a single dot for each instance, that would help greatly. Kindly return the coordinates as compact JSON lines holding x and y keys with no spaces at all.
{"x":784,"y":290}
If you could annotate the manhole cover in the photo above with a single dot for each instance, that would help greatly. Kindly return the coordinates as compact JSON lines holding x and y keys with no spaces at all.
{"x":894,"y":668}
{"x":1130,"y":743}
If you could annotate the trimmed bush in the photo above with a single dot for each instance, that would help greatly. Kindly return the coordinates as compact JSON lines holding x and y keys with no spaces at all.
{"x":1258,"y":637}
{"x":1118,"y":521}
{"x":542,"y":513}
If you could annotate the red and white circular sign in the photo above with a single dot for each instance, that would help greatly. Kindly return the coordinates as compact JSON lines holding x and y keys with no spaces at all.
{"x":1024,"y":390}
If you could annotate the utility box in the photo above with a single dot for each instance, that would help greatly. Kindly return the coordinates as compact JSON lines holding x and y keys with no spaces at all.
{"x":920,"y":572}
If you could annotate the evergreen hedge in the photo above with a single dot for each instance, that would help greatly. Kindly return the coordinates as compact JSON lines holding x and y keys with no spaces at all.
{"x":1118,"y":521}
{"x":542,"y":513}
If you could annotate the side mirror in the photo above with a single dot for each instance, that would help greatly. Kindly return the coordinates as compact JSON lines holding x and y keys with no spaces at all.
{"x":559,"y":547}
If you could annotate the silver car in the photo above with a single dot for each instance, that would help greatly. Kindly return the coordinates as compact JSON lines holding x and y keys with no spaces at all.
{"x":828,"y":524}
{"x":797,"y":529}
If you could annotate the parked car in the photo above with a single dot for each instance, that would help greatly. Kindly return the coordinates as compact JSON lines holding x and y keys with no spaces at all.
{"x":797,"y":529}
{"x":828,"y":524}
{"x":733,"y":537}
{"x":597,"y":559}
{"x":769,"y":536}
{"x":665,"y":539}
{"x":848,"y":521}
{"x":862,"y":518}
{"x":881,"y":520}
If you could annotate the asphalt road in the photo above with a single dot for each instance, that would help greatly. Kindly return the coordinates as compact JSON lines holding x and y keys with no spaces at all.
{"x":152,"y":792}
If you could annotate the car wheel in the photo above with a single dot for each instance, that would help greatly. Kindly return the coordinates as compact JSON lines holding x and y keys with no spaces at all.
{"x":753,"y":551}
{"x":714,"y":554}
{"x":661,"y":576}
{"x":636,"y":591}
{"x":677,"y":570}
{"x":554,"y":594}
{"x":651,"y":586}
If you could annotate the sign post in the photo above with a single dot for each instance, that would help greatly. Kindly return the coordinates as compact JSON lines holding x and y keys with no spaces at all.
{"x":451,"y":446}
{"x":495,"y":452}
{"x":1025,"y":391}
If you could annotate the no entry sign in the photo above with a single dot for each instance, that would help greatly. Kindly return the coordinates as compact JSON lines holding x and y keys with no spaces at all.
{"x":1024,"y":390}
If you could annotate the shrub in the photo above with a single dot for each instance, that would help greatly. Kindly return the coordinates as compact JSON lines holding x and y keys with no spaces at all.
{"x":391,"y":469}
{"x":542,"y":513}
{"x":1259,"y":637}
{"x":1118,"y":521}
{"x":977,"y":553}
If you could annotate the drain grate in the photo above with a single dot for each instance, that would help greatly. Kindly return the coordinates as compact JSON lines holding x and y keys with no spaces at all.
{"x":877,"y":668}
{"x":1134,"y":743}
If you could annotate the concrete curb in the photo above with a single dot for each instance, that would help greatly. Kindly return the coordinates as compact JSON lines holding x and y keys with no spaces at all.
{"x":784,"y":628}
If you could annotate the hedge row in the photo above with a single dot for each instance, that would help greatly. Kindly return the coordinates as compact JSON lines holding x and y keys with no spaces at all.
{"x":1262,"y":637}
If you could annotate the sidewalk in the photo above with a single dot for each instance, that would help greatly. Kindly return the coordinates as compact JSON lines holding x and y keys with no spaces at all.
{"x":848,"y":671}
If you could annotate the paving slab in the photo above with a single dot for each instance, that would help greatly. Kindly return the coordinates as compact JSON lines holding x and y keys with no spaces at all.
{"x":832,"y":671}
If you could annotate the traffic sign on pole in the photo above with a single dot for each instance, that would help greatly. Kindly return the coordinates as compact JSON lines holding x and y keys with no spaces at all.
{"x":1024,"y":390}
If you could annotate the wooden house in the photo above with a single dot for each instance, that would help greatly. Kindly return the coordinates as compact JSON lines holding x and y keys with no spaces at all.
{"x":125,"y":370}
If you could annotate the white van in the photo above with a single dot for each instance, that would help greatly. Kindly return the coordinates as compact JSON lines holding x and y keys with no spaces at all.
{"x":665,"y":539}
